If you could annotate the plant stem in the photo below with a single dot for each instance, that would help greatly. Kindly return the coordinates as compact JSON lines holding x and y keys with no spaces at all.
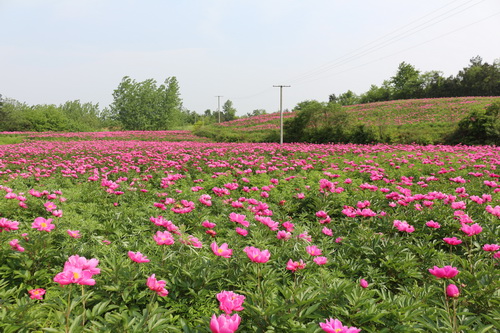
{"x":68,"y":310}
{"x":83,"y":303}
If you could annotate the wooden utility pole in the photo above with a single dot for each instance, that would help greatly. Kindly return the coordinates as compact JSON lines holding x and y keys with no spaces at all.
{"x":281,"y":110}
{"x":218,"y":106}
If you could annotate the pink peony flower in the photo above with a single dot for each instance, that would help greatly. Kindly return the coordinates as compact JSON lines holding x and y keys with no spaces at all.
{"x":256,"y":255}
{"x":14,"y":244}
{"x":363,"y":283}
{"x":327,"y":231}
{"x":137,"y":257}
{"x":452,"y":291}
{"x":36,"y":293}
{"x":42,"y":224}
{"x":294,"y":265}
{"x":446,"y":272}
{"x":242,"y":231}
{"x":471,"y":230}
{"x":158,"y":286}
{"x":320,"y":260}
{"x":313,"y":250}
{"x":433,"y":224}
{"x":452,"y":240}
{"x":335,"y":326}
{"x":225,"y":323}
{"x":230,"y":301}
{"x":74,"y":233}
{"x":163,"y":238}
{"x":222,"y":251}
{"x":6,"y":225}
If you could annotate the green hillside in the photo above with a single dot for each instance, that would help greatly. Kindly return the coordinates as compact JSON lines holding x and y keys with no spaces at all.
{"x":406,"y":121}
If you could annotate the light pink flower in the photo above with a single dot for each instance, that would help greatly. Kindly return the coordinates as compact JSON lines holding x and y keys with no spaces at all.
{"x":137,"y":257}
{"x":163,"y":238}
{"x":320,"y":260}
{"x":221,"y":251}
{"x":327,"y":231}
{"x":225,"y":323}
{"x":313,"y":250}
{"x":6,"y":225}
{"x":335,"y":326}
{"x":257,"y":255}
{"x":42,"y":224}
{"x":230,"y":301}
{"x":74,"y":233}
{"x":294,"y":265}
{"x":14,"y":244}
{"x":158,"y":286}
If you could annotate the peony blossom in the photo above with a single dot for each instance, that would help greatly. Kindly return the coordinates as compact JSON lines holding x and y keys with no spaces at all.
{"x":14,"y":244}
{"x":221,"y":251}
{"x":335,"y":326}
{"x":452,"y":291}
{"x":137,"y":257}
{"x":225,"y":323}
{"x":256,"y":255}
{"x":433,"y":224}
{"x":42,"y":224}
{"x":491,"y":247}
{"x":446,"y":272}
{"x":320,"y":260}
{"x":230,"y":301}
{"x":294,"y":265}
{"x":74,"y":233}
{"x":452,"y":240}
{"x":163,"y":238}
{"x":363,"y":283}
{"x":313,"y":250}
{"x":158,"y":286}
{"x":36,"y":293}
{"x":471,"y":230}
{"x":241,"y":231}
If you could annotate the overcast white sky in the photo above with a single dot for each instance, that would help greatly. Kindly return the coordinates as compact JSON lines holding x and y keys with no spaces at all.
{"x":52,"y":51}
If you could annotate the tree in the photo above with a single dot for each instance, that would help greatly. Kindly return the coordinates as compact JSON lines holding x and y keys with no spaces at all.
{"x":144,"y":106}
{"x":348,"y":98}
{"x":407,"y":82}
{"x":228,"y":111}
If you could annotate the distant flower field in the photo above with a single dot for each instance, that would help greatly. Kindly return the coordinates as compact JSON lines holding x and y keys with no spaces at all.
{"x":153,"y":236}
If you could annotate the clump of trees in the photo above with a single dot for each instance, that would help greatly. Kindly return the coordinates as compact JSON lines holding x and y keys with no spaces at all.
{"x":73,"y":116}
{"x":478,"y":79}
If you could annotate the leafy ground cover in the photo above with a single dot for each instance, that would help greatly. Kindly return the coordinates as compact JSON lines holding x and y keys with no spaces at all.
{"x":149,"y":236}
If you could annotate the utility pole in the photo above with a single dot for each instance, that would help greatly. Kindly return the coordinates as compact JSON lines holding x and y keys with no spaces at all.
{"x":281,"y":110}
{"x":218,"y":106}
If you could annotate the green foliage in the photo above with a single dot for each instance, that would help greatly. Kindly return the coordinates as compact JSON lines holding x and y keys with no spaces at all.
{"x":479,"y":127}
{"x":146,"y":106}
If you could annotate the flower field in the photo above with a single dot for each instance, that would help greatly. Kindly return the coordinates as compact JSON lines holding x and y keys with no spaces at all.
{"x":155,"y":236}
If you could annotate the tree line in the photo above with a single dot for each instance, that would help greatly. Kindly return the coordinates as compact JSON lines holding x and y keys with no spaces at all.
{"x":477,"y":79}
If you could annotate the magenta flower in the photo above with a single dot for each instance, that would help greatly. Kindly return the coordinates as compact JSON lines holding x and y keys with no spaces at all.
{"x":163,"y":238}
{"x":230,"y":301}
{"x":471,"y":230}
{"x":446,"y":272}
{"x":256,"y":255}
{"x":313,"y":250}
{"x":74,"y":233}
{"x":78,"y":270}
{"x":157,"y":286}
{"x":225,"y":323}
{"x":222,"y":251}
{"x":363,"y":283}
{"x":241,"y":231}
{"x":6,"y":225}
{"x":42,"y":224}
{"x":137,"y":257}
{"x":327,"y":231}
{"x":491,"y":247}
{"x":452,"y":291}
{"x":320,"y":260}
{"x":208,"y":224}
{"x":50,"y":206}
{"x":14,"y":244}
{"x":239,"y":218}
{"x":335,"y":326}
{"x":36,"y":293}
{"x":294,"y":265}
{"x":452,"y":240}
{"x":282,"y":234}
{"x":433,"y":224}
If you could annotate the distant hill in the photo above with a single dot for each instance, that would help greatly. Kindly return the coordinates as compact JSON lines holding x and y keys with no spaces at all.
{"x":425,"y":120}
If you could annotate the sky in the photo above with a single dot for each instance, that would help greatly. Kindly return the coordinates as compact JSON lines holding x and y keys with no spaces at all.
{"x":53,"y":51}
